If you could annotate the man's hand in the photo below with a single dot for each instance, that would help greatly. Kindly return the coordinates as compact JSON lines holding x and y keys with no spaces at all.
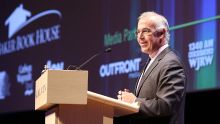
{"x":126,"y":96}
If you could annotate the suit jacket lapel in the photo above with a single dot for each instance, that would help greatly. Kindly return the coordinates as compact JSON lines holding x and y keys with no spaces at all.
{"x":142,"y":71}
{"x":145,"y":76}
{"x":150,"y":69}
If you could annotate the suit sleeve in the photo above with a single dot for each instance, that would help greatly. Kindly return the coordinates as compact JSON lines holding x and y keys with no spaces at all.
{"x":170,"y":91}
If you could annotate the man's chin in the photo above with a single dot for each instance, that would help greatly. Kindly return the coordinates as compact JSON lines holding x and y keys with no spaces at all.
{"x":144,"y":50}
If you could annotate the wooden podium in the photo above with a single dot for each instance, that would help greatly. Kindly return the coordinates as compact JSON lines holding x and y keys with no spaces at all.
{"x":65,"y":97}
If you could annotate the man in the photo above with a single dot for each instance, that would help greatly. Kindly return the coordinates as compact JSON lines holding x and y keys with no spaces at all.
{"x":160,"y":90}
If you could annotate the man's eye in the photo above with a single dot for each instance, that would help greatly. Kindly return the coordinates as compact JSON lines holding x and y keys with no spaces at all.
{"x":147,"y":31}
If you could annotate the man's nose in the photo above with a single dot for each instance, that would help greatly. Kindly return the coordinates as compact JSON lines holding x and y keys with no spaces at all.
{"x":141,"y":36}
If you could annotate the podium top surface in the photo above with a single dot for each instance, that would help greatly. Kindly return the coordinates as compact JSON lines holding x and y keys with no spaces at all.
{"x":117,"y":104}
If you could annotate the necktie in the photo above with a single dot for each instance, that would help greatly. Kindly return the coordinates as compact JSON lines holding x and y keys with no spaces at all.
{"x":146,"y":67}
{"x":143,"y":72}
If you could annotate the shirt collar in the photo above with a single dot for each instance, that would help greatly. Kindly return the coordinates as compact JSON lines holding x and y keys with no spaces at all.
{"x":159,"y":51}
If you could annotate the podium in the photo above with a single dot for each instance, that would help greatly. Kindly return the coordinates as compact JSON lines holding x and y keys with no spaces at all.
{"x":65,"y":97}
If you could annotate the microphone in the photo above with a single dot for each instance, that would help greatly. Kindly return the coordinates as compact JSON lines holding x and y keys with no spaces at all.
{"x":107,"y":50}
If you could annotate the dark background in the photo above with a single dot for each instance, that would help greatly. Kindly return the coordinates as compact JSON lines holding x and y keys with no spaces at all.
{"x":83,"y":27}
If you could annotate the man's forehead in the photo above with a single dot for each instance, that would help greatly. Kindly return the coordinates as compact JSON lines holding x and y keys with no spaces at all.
{"x":146,"y":22}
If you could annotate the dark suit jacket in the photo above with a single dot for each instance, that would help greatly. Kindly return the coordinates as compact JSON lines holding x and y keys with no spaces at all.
{"x":161,"y":92}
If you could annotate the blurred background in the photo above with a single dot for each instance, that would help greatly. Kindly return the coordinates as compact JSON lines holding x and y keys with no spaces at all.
{"x":64,"y":34}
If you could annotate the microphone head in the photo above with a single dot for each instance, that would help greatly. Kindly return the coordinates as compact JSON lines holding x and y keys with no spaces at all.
{"x":108,"y":50}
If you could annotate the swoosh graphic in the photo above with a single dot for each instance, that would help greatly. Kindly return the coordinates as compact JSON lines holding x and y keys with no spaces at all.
{"x":48,"y":12}
{"x":195,"y":22}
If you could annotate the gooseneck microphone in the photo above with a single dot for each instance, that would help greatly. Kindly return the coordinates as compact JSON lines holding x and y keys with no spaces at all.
{"x":91,"y":58}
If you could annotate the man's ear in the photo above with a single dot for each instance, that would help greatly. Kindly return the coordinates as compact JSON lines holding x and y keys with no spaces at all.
{"x":161,"y":33}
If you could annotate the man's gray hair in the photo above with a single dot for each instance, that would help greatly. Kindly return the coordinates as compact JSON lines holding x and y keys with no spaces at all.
{"x":160,"y":21}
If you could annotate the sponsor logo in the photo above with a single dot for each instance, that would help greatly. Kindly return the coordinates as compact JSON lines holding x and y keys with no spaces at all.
{"x":55,"y":66}
{"x":120,"y":67}
{"x":4,"y":85}
{"x":201,"y":53}
{"x":20,"y":18}
{"x":24,"y":77}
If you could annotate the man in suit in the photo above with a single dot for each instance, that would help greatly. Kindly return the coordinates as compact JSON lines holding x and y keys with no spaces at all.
{"x":160,"y":90}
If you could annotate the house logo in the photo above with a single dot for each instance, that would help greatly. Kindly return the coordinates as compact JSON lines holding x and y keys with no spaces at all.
{"x":16,"y":19}
{"x":22,"y":17}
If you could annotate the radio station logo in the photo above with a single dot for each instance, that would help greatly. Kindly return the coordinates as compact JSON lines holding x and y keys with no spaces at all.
{"x":201,"y":53}
{"x":22,"y":17}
